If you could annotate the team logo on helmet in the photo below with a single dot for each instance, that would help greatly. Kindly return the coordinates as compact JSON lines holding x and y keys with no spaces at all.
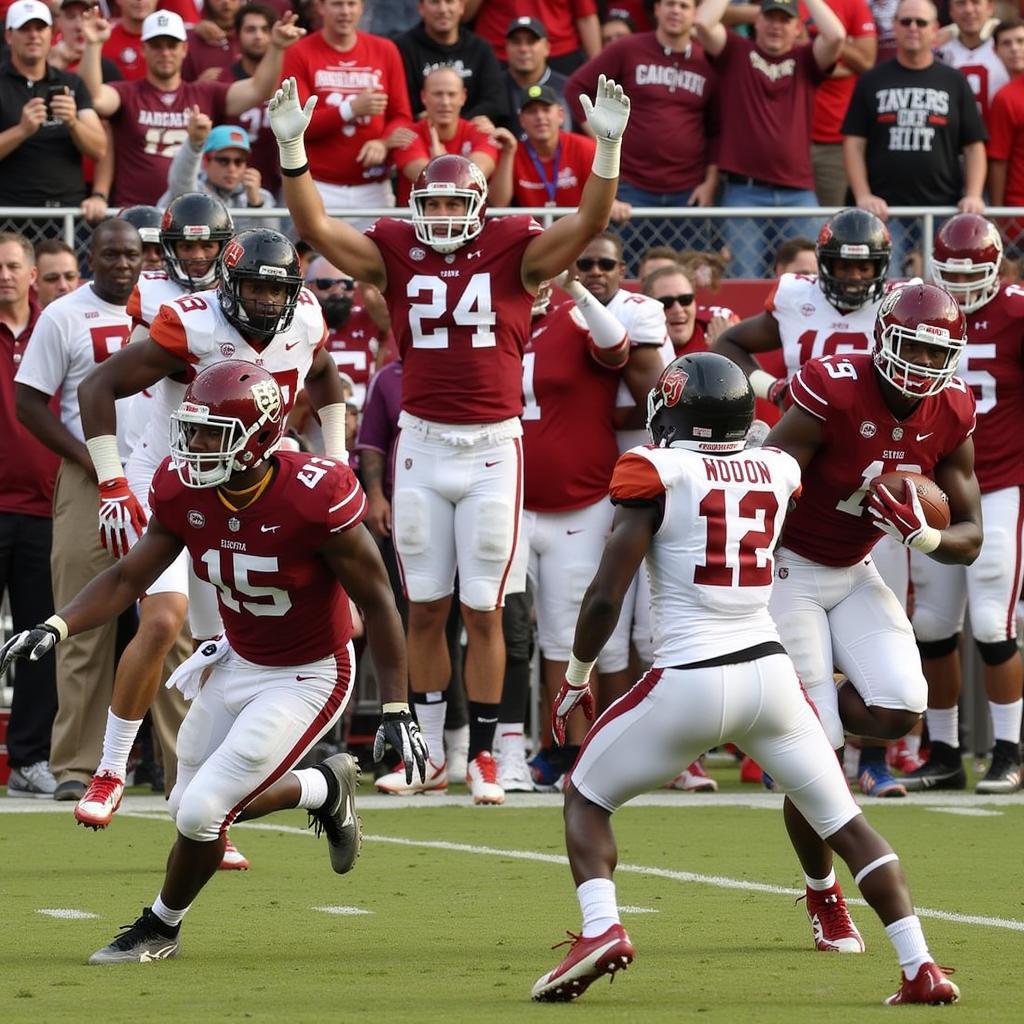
{"x":671,"y":385}
{"x":267,"y":396}
{"x":233,"y":252}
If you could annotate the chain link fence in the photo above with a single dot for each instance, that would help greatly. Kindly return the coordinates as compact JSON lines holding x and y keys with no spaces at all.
{"x":741,"y":242}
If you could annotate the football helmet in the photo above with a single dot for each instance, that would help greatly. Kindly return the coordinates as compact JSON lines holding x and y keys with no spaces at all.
{"x":259,"y":254}
{"x":449,"y":175}
{"x":968,"y":244}
{"x":244,"y":402}
{"x":147,"y":220}
{"x":192,"y":217}
{"x":702,"y":401}
{"x":853,"y":234}
{"x":921,"y":314}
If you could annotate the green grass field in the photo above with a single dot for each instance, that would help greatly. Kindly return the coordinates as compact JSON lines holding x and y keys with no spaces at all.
{"x":451,"y":910}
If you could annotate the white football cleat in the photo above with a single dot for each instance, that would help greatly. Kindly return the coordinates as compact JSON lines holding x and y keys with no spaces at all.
{"x":395,"y":785}
{"x":513,"y":771}
{"x":482,"y":779}
{"x":98,"y":803}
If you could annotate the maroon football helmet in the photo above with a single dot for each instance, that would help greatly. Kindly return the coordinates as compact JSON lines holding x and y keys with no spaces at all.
{"x":918,"y":314}
{"x":968,"y":244}
{"x":449,"y":175}
{"x":241,"y":399}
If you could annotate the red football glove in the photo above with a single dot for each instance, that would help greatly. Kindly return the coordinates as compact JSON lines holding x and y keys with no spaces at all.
{"x":122,"y":518}
{"x":566,"y":700}
{"x":904,"y":519}
{"x":778,"y":393}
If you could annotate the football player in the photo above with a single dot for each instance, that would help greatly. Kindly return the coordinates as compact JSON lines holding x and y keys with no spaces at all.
{"x":280,"y":536}
{"x":706,"y":515}
{"x":459,"y":291}
{"x":855,"y":417}
{"x":831,"y":313}
{"x":258,"y":310}
{"x":966,"y":258}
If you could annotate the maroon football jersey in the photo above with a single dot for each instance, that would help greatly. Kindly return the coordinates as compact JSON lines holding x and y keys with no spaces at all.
{"x":992,"y":366}
{"x":149,"y":128}
{"x":862,"y":439}
{"x":354,"y":347}
{"x":463,"y":363}
{"x":280,"y":602}
{"x":569,"y":444}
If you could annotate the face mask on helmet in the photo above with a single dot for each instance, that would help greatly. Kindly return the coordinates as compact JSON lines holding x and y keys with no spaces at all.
{"x":445,"y":233}
{"x":859,"y":237}
{"x":243,"y":260}
{"x":850,"y":294}
{"x":240,"y":446}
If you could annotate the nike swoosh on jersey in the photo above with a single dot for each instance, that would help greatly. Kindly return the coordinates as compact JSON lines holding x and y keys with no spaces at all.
{"x":303,"y":679}
{"x":922,"y":437}
{"x":268,"y":529}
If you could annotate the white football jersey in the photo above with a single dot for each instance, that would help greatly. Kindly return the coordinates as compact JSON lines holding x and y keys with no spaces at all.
{"x":195,"y":329}
{"x":644,"y":321}
{"x":73,"y":335}
{"x":811,"y":327}
{"x":710,"y":562}
{"x":986,"y":74}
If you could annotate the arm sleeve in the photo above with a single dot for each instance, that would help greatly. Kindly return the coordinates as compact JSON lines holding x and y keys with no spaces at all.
{"x":82,"y":98}
{"x":807,"y":390}
{"x":1000,"y":136}
{"x":972,"y":128}
{"x":858,"y":113}
{"x":168,"y":332}
{"x":347,"y":503}
{"x":635,"y":480}
{"x":183,"y":174}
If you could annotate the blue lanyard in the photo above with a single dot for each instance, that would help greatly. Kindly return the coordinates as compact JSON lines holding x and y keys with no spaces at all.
{"x":550,"y":186}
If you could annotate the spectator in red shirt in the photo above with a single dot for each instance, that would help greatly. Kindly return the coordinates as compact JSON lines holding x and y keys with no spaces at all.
{"x":833,"y":97}
{"x":573,"y":27}
{"x":206,"y":56}
{"x":441,"y":131}
{"x":768,"y":85}
{"x":1006,"y":129}
{"x":615,"y":28}
{"x":360,"y":82}
{"x":150,"y":117}
{"x":124,"y":47}
{"x":1008,"y":37}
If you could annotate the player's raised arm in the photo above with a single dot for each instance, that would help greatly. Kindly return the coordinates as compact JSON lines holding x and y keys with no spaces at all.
{"x":346,"y":248}
{"x":103,"y":599}
{"x":355,"y":560}
{"x":551,"y":252}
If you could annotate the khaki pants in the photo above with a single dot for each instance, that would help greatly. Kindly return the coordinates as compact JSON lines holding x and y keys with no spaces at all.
{"x":829,"y":177}
{"x":85,"y":663}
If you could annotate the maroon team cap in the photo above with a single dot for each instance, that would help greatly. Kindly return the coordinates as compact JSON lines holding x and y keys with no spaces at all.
{"x":789,"y":7}
{"x":530,"y":24}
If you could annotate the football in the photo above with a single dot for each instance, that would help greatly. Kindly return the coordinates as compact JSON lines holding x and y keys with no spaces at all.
{"x":934,"y":502}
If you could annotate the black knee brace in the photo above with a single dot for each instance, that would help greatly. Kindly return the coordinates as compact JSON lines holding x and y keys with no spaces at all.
{"x":997,"y":653}
{"x":938,"y":648}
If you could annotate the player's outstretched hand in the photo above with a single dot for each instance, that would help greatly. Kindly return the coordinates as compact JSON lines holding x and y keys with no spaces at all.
{"x":608,"y":113}
{"x":122,"y":517}
{"x":399,"y":729}
{"x":29,"y":643}
{"x":903,"y":519}
{"x":565,"y":702}
{"x":288,"y":119}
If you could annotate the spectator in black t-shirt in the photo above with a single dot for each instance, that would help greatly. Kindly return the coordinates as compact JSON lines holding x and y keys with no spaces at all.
{"x":908,"y":124}
{"x":440,"y":40}
{"x":46,"y":118}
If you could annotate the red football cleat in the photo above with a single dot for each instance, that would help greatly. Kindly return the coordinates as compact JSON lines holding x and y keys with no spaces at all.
{"x":834,"y":930}
{"x":899,"y":758}
{"x":233,"y":858}
{"x":930,"y":986}
{"x":587,"y":960}
{"x":99,"y":802}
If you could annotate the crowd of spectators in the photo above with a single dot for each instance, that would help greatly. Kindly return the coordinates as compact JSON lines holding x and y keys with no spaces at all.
{"x":778,"y":104}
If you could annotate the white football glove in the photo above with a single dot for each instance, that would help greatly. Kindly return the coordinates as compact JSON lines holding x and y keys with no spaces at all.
{"x":289,"y":121}
{"x":608,"y":113}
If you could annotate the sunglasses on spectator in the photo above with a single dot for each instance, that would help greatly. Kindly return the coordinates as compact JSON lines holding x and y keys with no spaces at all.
{"x":605,"y":263}
{"x":919,"y":22}
{"x":668,"y":301}
{"x":229,"y":161}
{"x":324,"y":283}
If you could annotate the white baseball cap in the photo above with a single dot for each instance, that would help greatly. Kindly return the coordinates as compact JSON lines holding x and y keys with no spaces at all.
{"x":24,"y":11}
{"x":163,"y":23}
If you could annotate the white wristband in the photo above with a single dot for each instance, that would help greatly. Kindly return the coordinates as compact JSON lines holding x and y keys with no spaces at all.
{"x":604,"y":327}
{"x":395,"y":708}
{"x":577,"y":672}
{"x":927,"y":540}
{"x":292,"y":153}
{"x":332,"y":423}
{"x":106,"y":459}
{"x":58,"y":624}
{"x":762,"y":382}
{"x":606,"y":158}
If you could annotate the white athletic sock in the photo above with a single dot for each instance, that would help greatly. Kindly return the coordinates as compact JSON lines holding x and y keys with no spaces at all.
{"x":457,"y":739}
{"x":509,"y":738}
{"x":597,"y":903}
{"x":821,"y":884}
{"x":944,"y":725}
{"x":431,"y":719}
{"x":1006,"y":720}
{"x":313,"y":784}
{"x":908,"y":940}
{"x":166,"y":914}
{"x":913,"y":743}
{"x":118,"y":740}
